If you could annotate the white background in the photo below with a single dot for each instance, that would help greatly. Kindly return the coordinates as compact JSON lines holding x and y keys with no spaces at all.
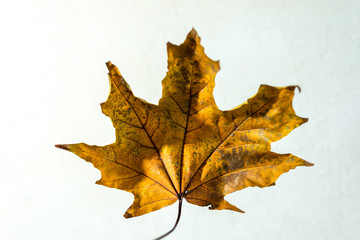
{"x":53,"y":77}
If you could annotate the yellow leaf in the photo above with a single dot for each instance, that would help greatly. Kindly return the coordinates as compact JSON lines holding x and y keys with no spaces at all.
{"x":185,"y":147}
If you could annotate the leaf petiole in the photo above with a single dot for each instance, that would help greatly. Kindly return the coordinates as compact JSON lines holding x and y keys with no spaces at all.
{"x":176,"y":223}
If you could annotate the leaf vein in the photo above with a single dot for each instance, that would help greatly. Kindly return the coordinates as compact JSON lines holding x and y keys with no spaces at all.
{"x":171,"y":97}
{"x":157,"y":150}
{"x":206,"y":159}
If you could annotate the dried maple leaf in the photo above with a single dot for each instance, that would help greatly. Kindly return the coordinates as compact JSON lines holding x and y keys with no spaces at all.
{"x":186,"y":147}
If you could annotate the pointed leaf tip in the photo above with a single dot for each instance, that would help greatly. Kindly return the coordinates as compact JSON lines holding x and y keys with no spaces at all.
{"x":308,"y":164}
{"x":109,"y":65}
{"x":193,"y":33}
{"x":62,"y":146}
{"x":128,"y":215}
{"x":113,"y":70}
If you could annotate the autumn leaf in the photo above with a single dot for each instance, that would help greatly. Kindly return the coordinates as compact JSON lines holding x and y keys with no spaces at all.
{"x":185,"y":147}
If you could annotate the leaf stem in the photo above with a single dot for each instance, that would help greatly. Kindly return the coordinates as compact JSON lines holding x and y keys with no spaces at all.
{"x":176,"y":223}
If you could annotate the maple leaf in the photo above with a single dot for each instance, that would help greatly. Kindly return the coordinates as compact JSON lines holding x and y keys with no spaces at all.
{"x":185,"y":147}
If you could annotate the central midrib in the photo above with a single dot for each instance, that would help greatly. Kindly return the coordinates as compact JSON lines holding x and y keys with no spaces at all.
{"x":184,"y":139}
